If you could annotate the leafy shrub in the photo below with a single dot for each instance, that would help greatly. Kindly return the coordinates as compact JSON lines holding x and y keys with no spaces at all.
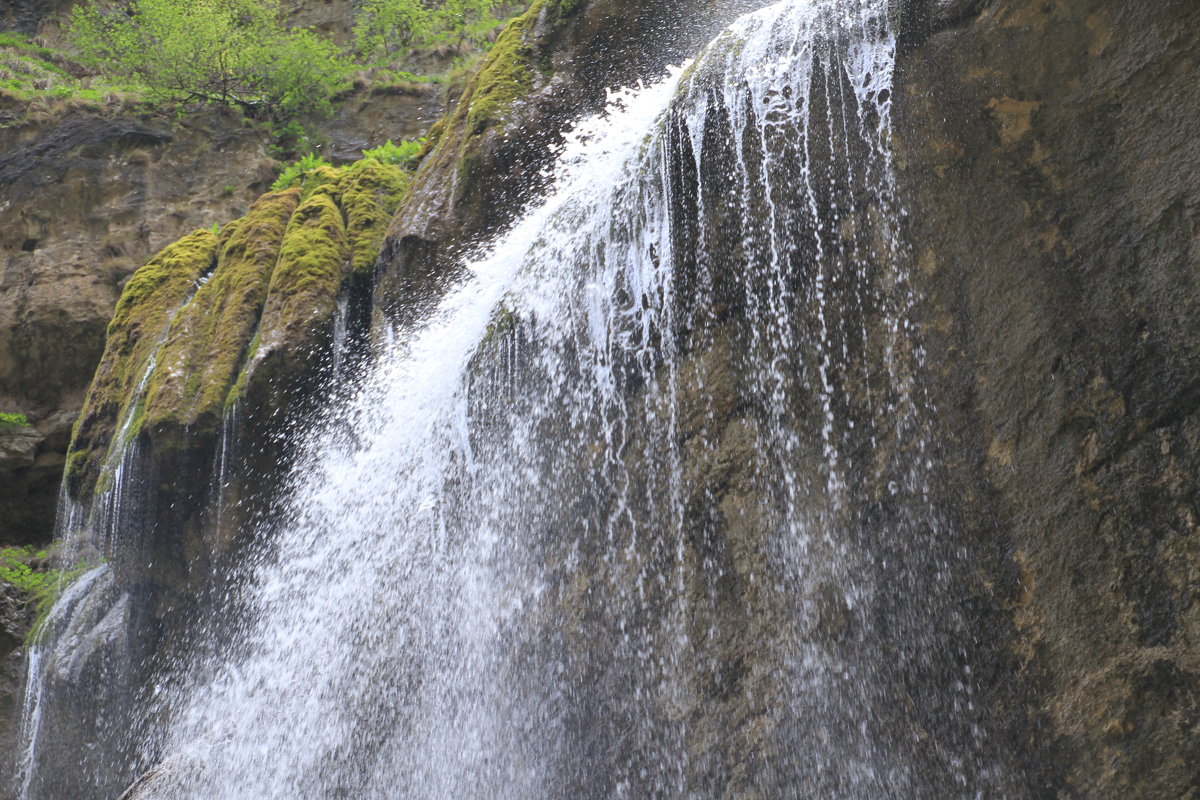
{"x":29,"y":571}
{"x":296,"y":172}
{"x":384,"y":27}
{"x":15,"y":570}
{"x":226,"y":51}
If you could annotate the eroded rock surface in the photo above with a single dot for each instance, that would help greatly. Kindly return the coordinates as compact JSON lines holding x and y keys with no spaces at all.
{"x":1052,"y":176}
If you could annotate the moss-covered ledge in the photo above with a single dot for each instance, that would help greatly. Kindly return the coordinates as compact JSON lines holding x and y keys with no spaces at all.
{"x":137,"y":331}
{"x":194,"y":325}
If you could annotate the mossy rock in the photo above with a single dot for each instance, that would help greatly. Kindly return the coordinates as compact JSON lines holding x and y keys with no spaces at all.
{"x":370,"y":194}
{"x":209,"y":337}
{"x":508,"y":73}
{"x":195,"y":323}
{"x":136,"y":333}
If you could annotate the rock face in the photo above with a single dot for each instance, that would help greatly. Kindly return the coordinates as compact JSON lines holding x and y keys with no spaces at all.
{"x":239,"y":321}
{"x":1051,"y":174}
{"x":14,"y":623}
{"x":27,"y":16}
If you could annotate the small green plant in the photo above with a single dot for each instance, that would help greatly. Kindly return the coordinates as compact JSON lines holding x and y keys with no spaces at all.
{"x":10,"y":421}
{"x":401,"y":155}
{"x":16,"y":570}
{"x":295,"y":173}
{"x":28,"y":570}
{"x":216,"y":229}
{"x":229,"y":191}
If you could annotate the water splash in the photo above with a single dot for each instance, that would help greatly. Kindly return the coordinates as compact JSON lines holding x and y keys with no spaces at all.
{"x":35,"y":684}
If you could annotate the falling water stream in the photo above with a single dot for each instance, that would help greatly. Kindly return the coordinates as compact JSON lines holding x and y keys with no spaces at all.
{"x":643,"y":509}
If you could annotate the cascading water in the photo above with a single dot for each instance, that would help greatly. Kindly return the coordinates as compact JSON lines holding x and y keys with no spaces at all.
{"x":644,"y":508}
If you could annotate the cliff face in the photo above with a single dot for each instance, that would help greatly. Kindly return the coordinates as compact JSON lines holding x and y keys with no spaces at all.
{"x":1050,"y":172}
{"x":85,"y":200}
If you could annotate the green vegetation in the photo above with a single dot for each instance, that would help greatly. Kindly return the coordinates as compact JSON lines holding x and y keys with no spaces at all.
{"x":17,"y":570}
{"x":274,"y":278}
{"x":147,"y":305}
{"x":240,"y":53}
{"x":371,"y":191}
{"x":10,"y":421}
{"x":504,"y":321}
{"x":170,"y":56}
{"x":28,"y":570}
{"x":227,"y":51}
{"x":295,"y":174}
{"x":400,"y":155}
{"x":312,"y":170}
{"x":44,"y":79}
{"x":507,"y":73}
{"x":383,"y":28}
{"x":205,"y":347}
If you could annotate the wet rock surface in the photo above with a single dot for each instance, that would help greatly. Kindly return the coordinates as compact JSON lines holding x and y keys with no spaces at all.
{"x":14,"y":623}
{"x":1051,"y":176}
{"x":1048,"y":168}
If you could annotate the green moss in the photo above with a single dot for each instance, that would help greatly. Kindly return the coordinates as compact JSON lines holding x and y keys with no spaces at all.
{"x":503,"y":322}
{"x":140,"y":322}
{"x":275,"y":276}
{"x":77,"y":464}
{"x":207,"y":344}
{"x":321,"y":176}
{"x":370,"y":195}
{"x":505,"y":76}
{"x":239,"y":386}
{"x":513,"y":69}
{"x":153,"y":290}
{"x":314,"y":248}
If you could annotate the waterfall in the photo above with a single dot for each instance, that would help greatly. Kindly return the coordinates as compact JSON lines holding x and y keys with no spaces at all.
{"x":645,"y":507}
